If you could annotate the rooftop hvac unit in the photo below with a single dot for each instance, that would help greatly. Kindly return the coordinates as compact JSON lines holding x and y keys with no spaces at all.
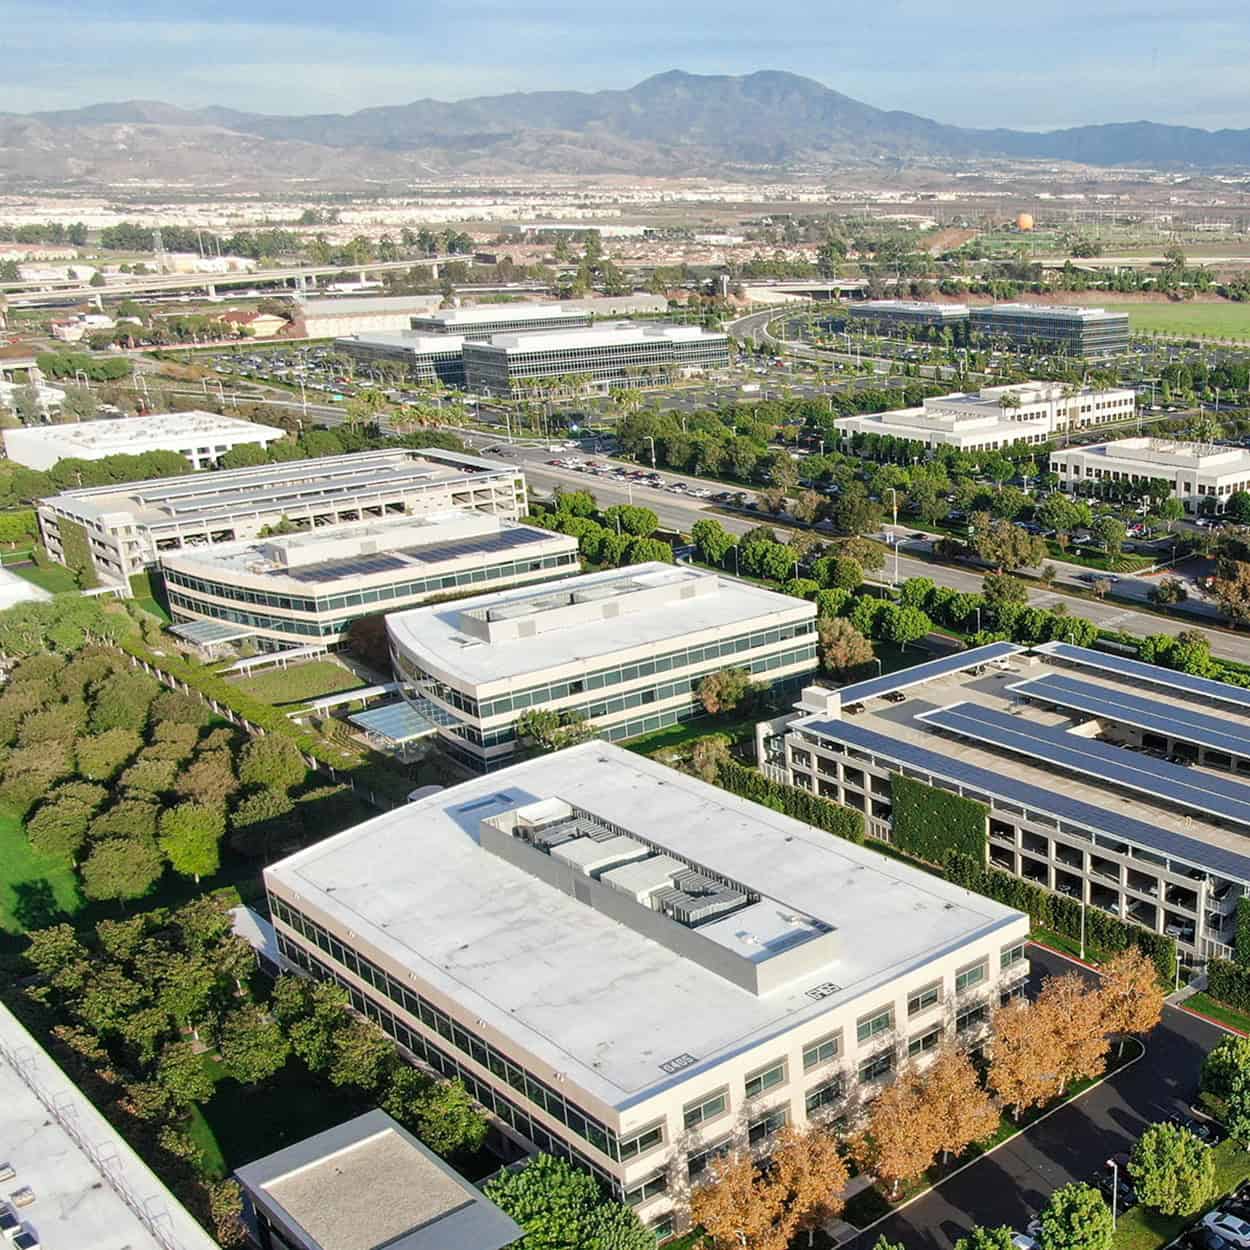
{"x":692,"y":881}
{"x":696,"y":910}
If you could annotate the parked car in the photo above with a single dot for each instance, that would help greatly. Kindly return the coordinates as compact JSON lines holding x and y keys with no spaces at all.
{"x":1232,"y":1229}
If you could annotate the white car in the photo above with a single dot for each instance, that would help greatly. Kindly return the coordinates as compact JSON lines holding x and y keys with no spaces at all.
{"x":1022,"y":1241}
{"x":1235,"y":1231}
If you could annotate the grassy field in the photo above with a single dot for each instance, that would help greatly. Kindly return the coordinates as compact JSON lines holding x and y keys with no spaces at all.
{"x":298,"y":683}
{"x":35,"y":890}
{"x":1218,"y":1011}
{"x":1224,"y":320}
{"x":55,"y":579}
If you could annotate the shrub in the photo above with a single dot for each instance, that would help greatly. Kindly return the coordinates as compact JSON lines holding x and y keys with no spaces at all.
{"x":844,"y":822}
{"x":931,"y":823}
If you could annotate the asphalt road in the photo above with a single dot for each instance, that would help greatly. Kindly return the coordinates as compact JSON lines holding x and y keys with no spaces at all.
{"x":1011,"y":1185}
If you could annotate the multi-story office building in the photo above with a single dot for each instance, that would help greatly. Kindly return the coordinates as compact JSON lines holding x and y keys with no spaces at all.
{"x":639,"y":971}
{"x":1201,"y":475}
{"x":606,"y":354}
{"x":907,"y":314}
{"x":479,"y":323}
{"x":425,"y":357}
{"x":627,"y":649}
{"x":202,"y":437}
{"x":996,"y":416}
{"x":1072,"y":330}
{"x":127,"y":526}
{"x":308,"y":588}
{"x":1116,"y":783}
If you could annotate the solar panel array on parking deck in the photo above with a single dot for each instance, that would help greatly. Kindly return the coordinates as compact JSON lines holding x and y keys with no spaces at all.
{"x":919,"y":673}
{"x":1131,"y":709}
{"x":1048,"y":802}
{"x":1152,"y":674}
{"x":1173,"y":783}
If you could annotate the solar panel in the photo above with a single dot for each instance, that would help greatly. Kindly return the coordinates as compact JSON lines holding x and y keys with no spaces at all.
{"x":1048,"y":802}
{"x":1120,"y":705}
{"x":1152,"y":674}
{"x":919,"y":673}
{"x":207,"y":633}
{"x":1174,"y":783}
{"x":396,"y":722}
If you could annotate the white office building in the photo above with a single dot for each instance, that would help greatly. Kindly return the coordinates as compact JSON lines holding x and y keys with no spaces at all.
{"x":326,"y":318}
{"x":202,"y":437}
{"x":626,"y":649}
{"x":128,"y":526}
{"x":301,"y":589}
{"x":483,"y":320}
{"x":428,"y":358}
{"x":996,"y":416}
{"x":638,"y":971}
{"x":1201,"y":475}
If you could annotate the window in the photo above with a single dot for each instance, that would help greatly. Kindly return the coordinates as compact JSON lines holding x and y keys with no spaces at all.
{"x":824,"y":1095}
{"x":966,"y":978}
{"x":768,"y":1124}
{"x":970,"y":1017}
{"x":641,"y":1142}
{"x":876,"y":1024}
{"x":875,"y":1068}
{"x":924,"y":998}
{"x":1011,"y":955}
{"x":766,"y":1078}
{"x":662,"y":1228}
{"x":697,"y":1163}
{"x":822,"y":1051}
{"x":924,"y":1042}
{"x":708,"y":1109}
{"x":654,"y":1184}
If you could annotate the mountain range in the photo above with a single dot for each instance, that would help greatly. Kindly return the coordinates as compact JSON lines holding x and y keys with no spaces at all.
{"x":673,"y":123}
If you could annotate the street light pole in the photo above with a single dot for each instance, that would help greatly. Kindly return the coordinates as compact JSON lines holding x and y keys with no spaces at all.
{"x":652,"y":442}
{"x":1115,"y":1189}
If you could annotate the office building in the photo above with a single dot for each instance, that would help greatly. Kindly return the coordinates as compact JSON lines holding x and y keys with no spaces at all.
{"x":426,"y":358}
{"x":604,"y":354}
{"x":1119,"y":784}
{"x":481,"y":321}
{"x":907,"y":314}
{"x":995,"y":416}
{"x":364,"y":1185}
{"x":329,"y":318}
{"x":125,"y":527}
{"x":636,"y":970}
{"x":1068,"y":330}
{"x":70,"y":1178}
{"x":307,"y":588}
{"x":202,"y":437}
{"x":1201,"y":475}
{"x":626,"y":649}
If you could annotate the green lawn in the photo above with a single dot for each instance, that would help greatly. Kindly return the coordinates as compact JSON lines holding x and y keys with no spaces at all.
{"x":35,"y":890}
{"x":1218,"y":1011}
{"x":1140,"y":1229}
{"x":55,"y":578}
{"x":678,"y":735}
{"x":1223,"y":320}
{"x":298,"y":683}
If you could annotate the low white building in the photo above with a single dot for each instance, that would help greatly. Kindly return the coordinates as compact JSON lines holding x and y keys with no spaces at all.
{"x":1201,"y":475}
{"x":997,"y":416}
{"x":202,"y":437}
{"x":50,"y":398}
{"x":386,"y":314}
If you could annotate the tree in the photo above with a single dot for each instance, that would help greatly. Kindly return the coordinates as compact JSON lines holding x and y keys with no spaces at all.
{"x":102,"y":756}
{"x":447,"y":1119}
{"x":1069,"y":1013}
{"x":840,"y":572}
{"x":1173,"y":1171}
{"x":1130,"y":996}
{"x":209,"y":778}
{"x":1231,"y":589}
{"x":546,"y":730}
{"x":191,"y":986}
{"x":1171,"y":510}
{"x":55,"y":950}
{"x":1022,"y":1063}
{"x":122,"y":700}
{"x":1237,"y":508}
{"x":59,"y":828}
{"x":900,"y":1138}
{"x":712,"y":540}
{"x":190,"y":835}
{"x":724,"y":691}
{"x":708,"y":756}
{"x":253,"y":1045}
{"x":1225,"y":1085}
{"x":649,"y":551}
{"x":1110,"y":532}
{"x":121,"y":869}
{"x":979,"y":1238}
{"x":273,"y":761}
{"x":962,"y":1110}
{"x":640,"y":522}
{"x":260,"y":817}
{"x":1061,"y":513}
{"x":1075,"y":1218}
{"x":843,"y":649}
{"x":363,"y":1055}
{"x":184,"y":1075}
{"x":908,"y":625}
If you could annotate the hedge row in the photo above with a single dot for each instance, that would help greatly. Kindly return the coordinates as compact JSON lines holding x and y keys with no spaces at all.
{"x":1241,"y":943}
{"x":1229,"y":983}
{"x":932,"y":824}
{"x":843,"y":822}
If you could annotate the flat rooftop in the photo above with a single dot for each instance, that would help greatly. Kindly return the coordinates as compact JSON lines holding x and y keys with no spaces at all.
{"x":640,"y":608}
{"x":593,"y":998}
{"x":367,"y":1184}
{"x":911,"y":306}
{"x":172,"y":430}
{"x":620,"y":334}
{"x":362,"y":305}
{"x":418,"y":344}
{"x":1168,"y":453}
{"x":486,"y":313}
{"x":271,"y":488}
{"x":75,"y":1206}
{"x":1064,"y":312}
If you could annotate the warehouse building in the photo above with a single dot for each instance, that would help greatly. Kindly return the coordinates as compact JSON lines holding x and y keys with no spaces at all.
{"x":1120,"y":785}
{"x":202,"y":437}
{"x":907,"y":314}
{"x":626,"y":649}
{"x":431,"y":358}
{"x":638,"y":971}
{"x":604,"y":354}
{"x":121,"y":529}
{"x":996,"y":416}
{"x":479,"y":323}
{"x":1071,"y":330}
{"x":1201,"y":475}
{"x":300,"y":589}
{"x":366,"y":314}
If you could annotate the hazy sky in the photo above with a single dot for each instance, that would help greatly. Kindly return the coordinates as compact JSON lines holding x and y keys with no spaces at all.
{"x":970,"y":62}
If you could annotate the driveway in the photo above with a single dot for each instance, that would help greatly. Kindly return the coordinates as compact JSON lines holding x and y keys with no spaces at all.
{"x":1011,"y":1185}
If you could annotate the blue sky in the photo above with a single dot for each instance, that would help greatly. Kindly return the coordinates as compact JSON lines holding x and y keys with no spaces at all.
{"x":969,"y":62}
